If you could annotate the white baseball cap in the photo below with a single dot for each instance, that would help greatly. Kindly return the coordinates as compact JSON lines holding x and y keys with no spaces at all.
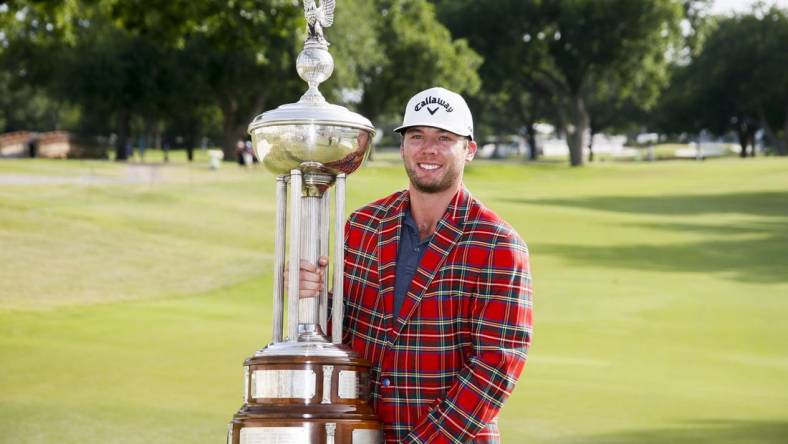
{"x":439,"y":108}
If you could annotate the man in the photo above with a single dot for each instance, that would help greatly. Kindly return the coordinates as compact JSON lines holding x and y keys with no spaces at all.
{"x":437,"y":289}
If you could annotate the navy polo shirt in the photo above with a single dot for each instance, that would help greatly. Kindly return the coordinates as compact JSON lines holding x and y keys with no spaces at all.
{"x":408,"y":257}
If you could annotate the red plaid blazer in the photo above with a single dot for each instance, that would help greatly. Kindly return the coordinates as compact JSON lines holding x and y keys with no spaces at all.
{"x":442,"y":369}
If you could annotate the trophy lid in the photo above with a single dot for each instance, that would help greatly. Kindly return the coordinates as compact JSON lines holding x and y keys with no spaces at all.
{"x":308,"y":113}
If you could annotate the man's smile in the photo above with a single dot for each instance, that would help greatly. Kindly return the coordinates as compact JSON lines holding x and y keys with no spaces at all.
{"x":428,"y":166}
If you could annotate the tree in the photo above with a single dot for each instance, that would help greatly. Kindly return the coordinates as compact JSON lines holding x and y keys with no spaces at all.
{"x":26,"y":107}
{"x":241,"y":53}
{"x":246,"y":52}
{"x":177,"y":61}
{"x":113,"y":75}
{"x":611,"y":109}
{"x":24,"y":102}
{"x":510,"y":100}
{"x":418,"y":53}
{"x":75,"y":52}
{"x":737,"y":81}
{"x":562,"y":52}
{"x":591,"y":41}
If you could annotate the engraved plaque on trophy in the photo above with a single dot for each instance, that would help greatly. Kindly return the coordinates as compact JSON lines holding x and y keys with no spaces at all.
{"x":306,"y":387}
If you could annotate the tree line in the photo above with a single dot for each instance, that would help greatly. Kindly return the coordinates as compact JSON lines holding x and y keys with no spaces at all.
{"x":175,"y":71}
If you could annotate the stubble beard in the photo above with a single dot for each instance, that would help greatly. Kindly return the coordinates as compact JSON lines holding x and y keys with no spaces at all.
{"x":444,"y":183}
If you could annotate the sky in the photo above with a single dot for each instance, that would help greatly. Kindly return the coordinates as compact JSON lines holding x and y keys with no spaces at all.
{"x":728,"y":6}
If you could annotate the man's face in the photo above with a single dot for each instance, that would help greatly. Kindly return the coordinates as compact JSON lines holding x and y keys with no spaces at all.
{"x":434,"y":159}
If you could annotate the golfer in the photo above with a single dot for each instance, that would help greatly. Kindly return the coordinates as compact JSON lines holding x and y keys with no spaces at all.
{"x":437,"y":289}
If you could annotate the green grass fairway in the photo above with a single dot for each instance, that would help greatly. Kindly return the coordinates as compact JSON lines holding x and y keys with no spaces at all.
{"x":131,"y":294}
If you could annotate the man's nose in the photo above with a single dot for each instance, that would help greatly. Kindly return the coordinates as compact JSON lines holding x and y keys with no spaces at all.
{"x":431,"y":144}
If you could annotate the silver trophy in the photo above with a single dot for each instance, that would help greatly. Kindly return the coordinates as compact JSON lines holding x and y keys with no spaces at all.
{"x":306,"y":387}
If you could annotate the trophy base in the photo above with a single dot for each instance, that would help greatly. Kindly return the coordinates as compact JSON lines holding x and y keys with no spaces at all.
{"x":305,"y":392}
{"x":303,"y":431}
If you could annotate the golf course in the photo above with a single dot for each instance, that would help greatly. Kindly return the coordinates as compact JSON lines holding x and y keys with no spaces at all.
{"x":131,"y":293}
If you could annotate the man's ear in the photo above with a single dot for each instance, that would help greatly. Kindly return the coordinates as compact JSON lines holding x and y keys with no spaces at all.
{"x":470,"y":153}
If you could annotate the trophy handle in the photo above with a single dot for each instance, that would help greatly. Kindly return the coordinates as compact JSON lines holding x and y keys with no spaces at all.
{"x":295,"y":250}
{"x":337,"y":306}
{"x":279,"y":256}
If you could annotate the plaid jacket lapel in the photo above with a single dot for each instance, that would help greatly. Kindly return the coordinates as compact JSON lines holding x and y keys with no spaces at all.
{"x":448,"y":232}
{"x":388,"y":246}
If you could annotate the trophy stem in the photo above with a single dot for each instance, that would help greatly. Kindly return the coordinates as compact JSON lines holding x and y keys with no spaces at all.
{"x":325,"y":233}
{"x":339,"y":260}
{"x":279,"y":256}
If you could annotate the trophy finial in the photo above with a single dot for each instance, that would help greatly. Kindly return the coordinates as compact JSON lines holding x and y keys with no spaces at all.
{"x":314,"y":63}
{"x":318,"y":18}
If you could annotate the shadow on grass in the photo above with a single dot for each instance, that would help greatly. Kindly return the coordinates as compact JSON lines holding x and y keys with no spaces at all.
{"x":754,"y":251}
{"x":759,"y":257}
{"x":757,"y":204}
{"x":716,"y":432}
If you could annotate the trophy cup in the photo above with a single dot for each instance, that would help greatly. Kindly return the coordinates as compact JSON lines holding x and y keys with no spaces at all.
{"x":305,"y":387}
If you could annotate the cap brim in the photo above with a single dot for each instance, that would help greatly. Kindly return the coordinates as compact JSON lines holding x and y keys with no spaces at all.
{"x":402,"y":128}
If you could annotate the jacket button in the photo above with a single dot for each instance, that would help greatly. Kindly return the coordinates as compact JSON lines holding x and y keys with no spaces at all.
{"x":386,"y":382}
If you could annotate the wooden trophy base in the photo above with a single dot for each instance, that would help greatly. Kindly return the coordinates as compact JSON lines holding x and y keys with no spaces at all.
{"x":305,"y":399}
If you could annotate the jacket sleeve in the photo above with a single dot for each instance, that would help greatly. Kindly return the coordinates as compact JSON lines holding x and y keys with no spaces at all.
{"x":501,"y":330}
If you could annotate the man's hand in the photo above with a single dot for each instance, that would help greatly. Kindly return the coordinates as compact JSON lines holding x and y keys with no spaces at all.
{"x":310,"y":277}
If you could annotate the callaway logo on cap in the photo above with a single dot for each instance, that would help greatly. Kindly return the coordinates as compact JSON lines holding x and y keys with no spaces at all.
{"x":439,"y":108}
